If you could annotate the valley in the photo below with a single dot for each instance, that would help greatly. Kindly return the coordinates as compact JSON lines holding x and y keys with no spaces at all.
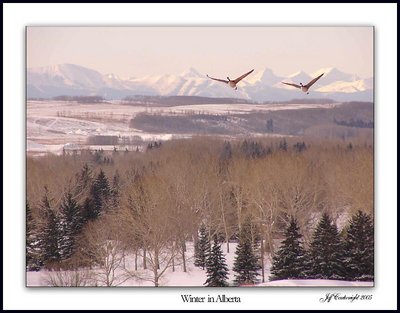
{"x":56,"y":125}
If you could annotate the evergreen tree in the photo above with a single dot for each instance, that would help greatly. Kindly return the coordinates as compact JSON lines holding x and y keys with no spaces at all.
{"x":33,"y":252}
{"x":84,"y":179}
{"x":290,"y":260}
{"x":70,"y":221}
{"x":217,"y":270}
{"x":100,"y":194}
{"x":270,"y":126}
{"x":359,"y":248}
{"x":82,"y":188}
{"x":246,"y":262}
{"x":115,"y":188}
{"x":327,"y":251}
{"x":202,"y":247}
{"x":51,"y":232}
{"x":283,"y":145}
{"x":226,"y":153}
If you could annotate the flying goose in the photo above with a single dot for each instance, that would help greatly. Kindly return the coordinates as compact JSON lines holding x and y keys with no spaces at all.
{"x":305,"y":87}
{"x":232,"y":83}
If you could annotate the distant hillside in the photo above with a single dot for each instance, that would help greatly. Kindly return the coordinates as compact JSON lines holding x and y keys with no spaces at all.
{"x":180,"y":100}
{"x":304,"y":101}
{"x":316,"y":122}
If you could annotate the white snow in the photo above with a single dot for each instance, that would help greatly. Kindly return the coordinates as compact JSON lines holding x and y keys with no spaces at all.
{"x":52,"y":124}
{"x":316,"y":282}
{"x":346,"y":86}
{"x":196,"y":276}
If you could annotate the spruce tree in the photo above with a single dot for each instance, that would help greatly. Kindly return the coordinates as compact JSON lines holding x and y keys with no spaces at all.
{"x":100,"y":194}
{"x":29,"y":231}
{"x":51,"y":232}
{"x":202,"y":247}
{"x":115,"y":189}
{"x":326,"y":251}
{"x":84,"y":180}
{"x":246,"y":262}
{"x":217,"y":270}
{"x":290,"y":260}
{"x":33,"y":252}
{"x":82,"y":188}
{"x":70,"y":221}
{"x":359,"y":248}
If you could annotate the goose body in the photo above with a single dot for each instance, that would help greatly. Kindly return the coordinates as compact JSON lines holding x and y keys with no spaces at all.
{"x":232,"y":83}
{"x":305,"y":88}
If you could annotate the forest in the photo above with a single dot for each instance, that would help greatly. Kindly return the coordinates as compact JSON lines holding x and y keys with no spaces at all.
{"x":287,"y":199}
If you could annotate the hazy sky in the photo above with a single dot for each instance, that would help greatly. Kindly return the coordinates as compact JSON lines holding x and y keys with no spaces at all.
{"x":218,"y":51}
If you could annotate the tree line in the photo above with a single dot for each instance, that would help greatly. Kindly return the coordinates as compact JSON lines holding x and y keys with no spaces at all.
{"x":346,"y":255}
{"x":354,"y":123}
{"x":80,"y":99}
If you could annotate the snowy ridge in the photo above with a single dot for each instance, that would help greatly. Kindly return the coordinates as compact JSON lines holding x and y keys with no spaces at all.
{"x":347,"y":87}
{"x":262,"y":85}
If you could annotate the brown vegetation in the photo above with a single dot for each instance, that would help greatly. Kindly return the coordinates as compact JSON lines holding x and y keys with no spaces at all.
{"x":165,"y":194}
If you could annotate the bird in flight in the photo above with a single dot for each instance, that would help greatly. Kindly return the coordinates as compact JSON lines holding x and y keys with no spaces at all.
{"x":232,"y":83}
{"x":302,"y":87}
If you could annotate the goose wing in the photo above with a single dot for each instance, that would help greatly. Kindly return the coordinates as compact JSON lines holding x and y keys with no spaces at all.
{"x":220,"y":80}
{"x":241,"y":77}
{"x":290,"y":84}
{"x":314,"y":80}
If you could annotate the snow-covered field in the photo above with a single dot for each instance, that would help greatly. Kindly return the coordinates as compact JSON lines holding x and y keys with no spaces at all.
{"x":195,"y":276}
{"x":52,"y":124}
{"x":316,"y":283}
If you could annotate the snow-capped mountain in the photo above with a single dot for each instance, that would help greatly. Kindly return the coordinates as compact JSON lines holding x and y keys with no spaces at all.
{"x":297,"y":78}
{"x":63,"y":75}
{"x":332,"y":74}
{"x":261,"y":85}
{"x":347,"y":86}
{"x":265,"y":76}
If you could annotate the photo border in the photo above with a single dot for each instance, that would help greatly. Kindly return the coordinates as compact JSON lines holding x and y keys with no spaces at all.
{"x":385,"y":104}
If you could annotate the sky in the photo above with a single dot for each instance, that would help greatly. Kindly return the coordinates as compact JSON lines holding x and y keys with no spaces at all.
{"x":219,"y":51}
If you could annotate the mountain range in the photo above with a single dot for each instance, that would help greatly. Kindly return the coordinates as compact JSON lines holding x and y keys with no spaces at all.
{"x":262,"y":85}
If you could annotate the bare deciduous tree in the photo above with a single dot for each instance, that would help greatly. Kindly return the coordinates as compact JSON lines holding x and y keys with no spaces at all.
{"x":102,"y":245}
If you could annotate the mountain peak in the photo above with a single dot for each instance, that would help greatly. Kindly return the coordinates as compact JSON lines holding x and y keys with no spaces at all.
{"x":325,"y":70}
{"x":298,"y":73}
{"x":332,"y":74}
{"x":190,"y":72}
{"x":112,"y":76}
{"x":265,"y":75}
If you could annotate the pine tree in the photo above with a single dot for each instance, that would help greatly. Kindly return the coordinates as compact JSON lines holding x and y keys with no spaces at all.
{"x":327,"y":251}
{"x":33,"y":252}
{"x":70,"y":221}
{"x":100,"y":194}
{"x":50,"y":233}
{"x":283,"y":145}
{"x":289,"y":262}
{"x":202,"y":247}
{"x":84,"y":179}
{"x":246,"y":262}
{"x":226,"y":153}
{"x":82,"y":188}
{"x":217,"y":270}
{"x":359,"y":248}
{"x":115,"y":189}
